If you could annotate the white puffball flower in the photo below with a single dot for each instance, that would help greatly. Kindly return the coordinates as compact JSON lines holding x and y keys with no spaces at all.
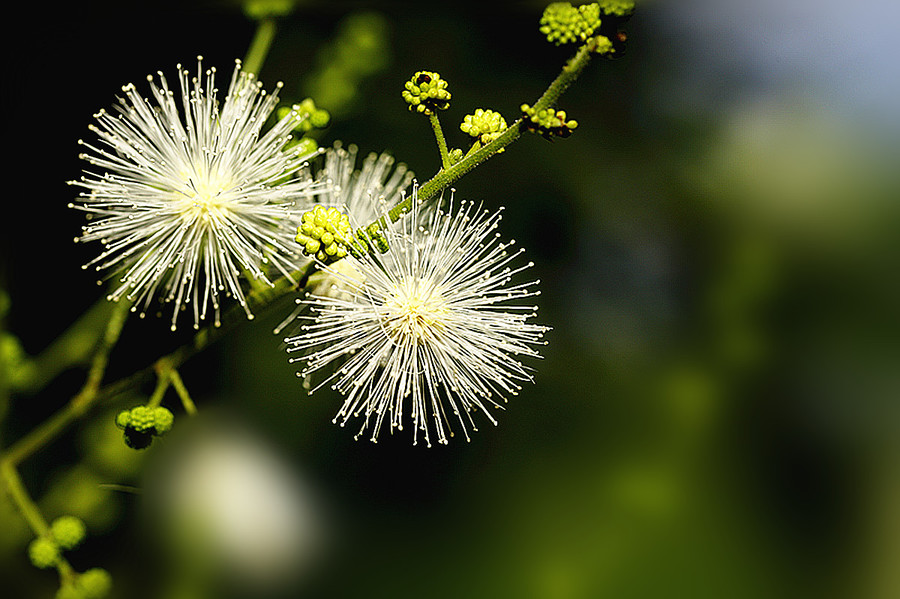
{"x":366,"y":193}
{"x":430,"y":331}
{"x":192,"y":195}
{"x":231,"y":508}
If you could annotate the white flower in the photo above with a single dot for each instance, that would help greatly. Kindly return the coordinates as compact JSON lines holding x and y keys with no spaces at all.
{"x":430,"y":327}
{"x":364,"y":193}
{"x":194,"y":194}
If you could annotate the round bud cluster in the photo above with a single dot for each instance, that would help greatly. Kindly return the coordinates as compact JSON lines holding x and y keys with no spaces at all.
{"x":426,"y":92}
{"x":548,"y":122}
{"x":603,"y":45}
{"x":142,"y":423}
{"x":324,"y":233}
{"x":309,"y":116}
{"x":484,"y":125}
{"x":92,"y":584}
{"x":68,"y":531}
{"x":43,"y":552}
{"x":563,"y":23}
{"x":616,"y":8}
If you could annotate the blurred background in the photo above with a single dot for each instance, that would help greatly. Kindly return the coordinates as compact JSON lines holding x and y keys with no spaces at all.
{"x":716,"y":414}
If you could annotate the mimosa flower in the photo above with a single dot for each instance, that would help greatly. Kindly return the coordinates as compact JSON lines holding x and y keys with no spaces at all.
{"x":192,"y":194}
{"x":430,"y":329}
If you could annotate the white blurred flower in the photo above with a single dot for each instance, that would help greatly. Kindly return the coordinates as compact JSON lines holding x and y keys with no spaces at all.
{"x":432,"y":323}
{"x":230,"y":509}
{"x":193,"y":195}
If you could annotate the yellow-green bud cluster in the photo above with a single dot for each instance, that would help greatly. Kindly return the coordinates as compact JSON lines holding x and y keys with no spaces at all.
{"x":44,"y":552}
{"x":616,"y":8}
{"x":563,"y":23}
{"x":95,"y":583}
{"x":426,"y":92}
{"x":548,"y":122}
{"x":325,"y":233}
{"x":142,"y":423}
{"x":68,"y":531}
{"x":484,"y":125}
{"x":603,"y":45}
{"x":310,"y":116}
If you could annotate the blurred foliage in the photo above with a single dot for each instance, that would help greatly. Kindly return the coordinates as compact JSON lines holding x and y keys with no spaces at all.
{"x":716,"y":414}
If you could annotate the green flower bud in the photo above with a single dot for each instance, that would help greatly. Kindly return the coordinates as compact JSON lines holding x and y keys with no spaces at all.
{"x":563,"y":23}
{"x":617,"y":8}
{"x":309,"y":116}
{"x":95,"y":583}
{"x":43,"y":552}
{"x":426,"y":92}
{"x":603,"y":45}
{"x":325,"y":233}
{"x":92,"y":584}
{"x":163,"y":420}
{"x":69,"y":591}
{"x":142,"y":423}
{"x":548,"y":122}
{"x":142,"y":418}
{"x":68,"y":531}
{"x":484,"y":125}
{"x":123,"y":418}
{"x":306,"y":146}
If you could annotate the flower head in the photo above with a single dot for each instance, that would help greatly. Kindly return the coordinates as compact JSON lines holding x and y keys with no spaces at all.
{"x":193,"y":194}
{"x":431,"y":327}
{"x":366,"y":193}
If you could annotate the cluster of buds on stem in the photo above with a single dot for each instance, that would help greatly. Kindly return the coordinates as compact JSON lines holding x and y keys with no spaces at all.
{"x":142,"y":423}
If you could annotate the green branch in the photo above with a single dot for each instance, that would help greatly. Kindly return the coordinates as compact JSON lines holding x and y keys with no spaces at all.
{"x":447,"y":176}
{"x":259,"y":46}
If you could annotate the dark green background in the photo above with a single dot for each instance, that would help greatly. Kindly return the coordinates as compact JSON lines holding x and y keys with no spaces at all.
{"x":716,"y":412}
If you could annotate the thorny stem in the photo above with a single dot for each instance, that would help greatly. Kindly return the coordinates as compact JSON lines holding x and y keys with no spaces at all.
{"x":447,"y":176}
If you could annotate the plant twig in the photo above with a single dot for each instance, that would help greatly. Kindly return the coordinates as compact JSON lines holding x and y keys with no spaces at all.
{"x":447,"y":176}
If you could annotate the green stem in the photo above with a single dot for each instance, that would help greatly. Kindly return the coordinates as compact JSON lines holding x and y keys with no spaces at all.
{"x":79,"y":404}
{"x":258,"y":300}
{"x":259,"y":47}
{"x":182,"y":392}
{"x":22,"y":499}
{"x":30,"y":511}
{"x":441,"y":142}
{"x":447,"y":176}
